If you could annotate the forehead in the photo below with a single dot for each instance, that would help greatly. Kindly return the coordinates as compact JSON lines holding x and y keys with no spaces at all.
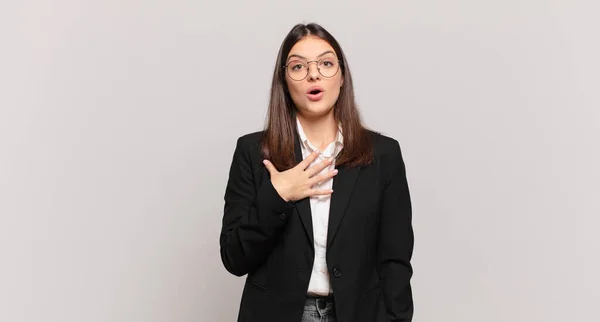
{"x":310,"y":47}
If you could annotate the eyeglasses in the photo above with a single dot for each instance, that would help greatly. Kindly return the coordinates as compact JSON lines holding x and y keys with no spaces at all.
{"x":298,"y":69}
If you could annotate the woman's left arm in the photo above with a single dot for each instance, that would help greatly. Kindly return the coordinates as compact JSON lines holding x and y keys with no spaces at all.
{"x":396,"y":240}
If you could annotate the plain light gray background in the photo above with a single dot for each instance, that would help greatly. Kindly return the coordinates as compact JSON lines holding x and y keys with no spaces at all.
{"x":118,"y":121}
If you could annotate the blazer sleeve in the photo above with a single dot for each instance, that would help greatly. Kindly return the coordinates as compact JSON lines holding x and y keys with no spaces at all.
{"x":396,"y":240}
{"x":252,"y":218}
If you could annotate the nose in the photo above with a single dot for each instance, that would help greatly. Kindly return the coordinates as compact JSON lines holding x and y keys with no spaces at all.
{"x":313,"y":72}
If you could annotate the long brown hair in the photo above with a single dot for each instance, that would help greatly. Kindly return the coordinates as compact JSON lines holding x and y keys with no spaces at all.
{"x":280,"y":131}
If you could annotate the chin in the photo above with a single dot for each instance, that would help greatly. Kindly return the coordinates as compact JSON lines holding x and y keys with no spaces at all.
{"x":316,"y":109}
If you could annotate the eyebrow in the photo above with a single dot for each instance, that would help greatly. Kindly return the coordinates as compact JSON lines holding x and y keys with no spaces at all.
{"x":302,"y":57}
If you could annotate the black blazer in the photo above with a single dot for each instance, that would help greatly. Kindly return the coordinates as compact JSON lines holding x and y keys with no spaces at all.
{"x":369,"y":243}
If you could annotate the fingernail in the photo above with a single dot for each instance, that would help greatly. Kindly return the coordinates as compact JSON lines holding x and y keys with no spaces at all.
{"x":335,"y":171}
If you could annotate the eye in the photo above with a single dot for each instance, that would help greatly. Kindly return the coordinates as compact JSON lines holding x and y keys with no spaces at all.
{"x":297,"y":67}
{"x":327,"y":63}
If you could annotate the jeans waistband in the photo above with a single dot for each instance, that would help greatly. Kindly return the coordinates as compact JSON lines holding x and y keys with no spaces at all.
{"x":319,"y":296}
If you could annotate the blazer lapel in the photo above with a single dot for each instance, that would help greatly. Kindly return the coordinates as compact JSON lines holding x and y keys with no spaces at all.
{"x":303,"y":205}
{"x":343,"y":185}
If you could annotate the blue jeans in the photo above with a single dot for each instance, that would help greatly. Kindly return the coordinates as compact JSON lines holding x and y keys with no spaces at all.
{"x":319,"y":310}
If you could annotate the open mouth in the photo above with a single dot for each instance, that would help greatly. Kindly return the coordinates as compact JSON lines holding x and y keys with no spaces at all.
{"x":315,"y":93}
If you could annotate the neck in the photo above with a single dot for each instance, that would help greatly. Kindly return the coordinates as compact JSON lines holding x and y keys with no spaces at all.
{"x":320,"y":131}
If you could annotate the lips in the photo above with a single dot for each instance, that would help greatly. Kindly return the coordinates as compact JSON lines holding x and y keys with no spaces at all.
{"x":315,"y":93}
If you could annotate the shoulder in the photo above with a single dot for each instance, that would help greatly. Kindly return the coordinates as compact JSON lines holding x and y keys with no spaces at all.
{"x":384,"y":145}
{"x":248,"y":144}
{"x":250,"y":139}
{"x":387,"y":153}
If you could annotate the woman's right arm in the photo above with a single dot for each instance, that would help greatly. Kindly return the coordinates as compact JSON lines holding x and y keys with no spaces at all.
{"x":252,"y":220}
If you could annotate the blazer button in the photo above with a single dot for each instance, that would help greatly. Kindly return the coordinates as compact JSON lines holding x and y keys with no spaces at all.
{"x":336,"y":272}
{"x":282,"y":216}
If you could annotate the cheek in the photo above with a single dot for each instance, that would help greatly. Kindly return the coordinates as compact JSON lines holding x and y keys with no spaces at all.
{"x":296,"y":95}
{"x":335,"y":89}
{"x":336,"y":84}
{"x":293,"y":89}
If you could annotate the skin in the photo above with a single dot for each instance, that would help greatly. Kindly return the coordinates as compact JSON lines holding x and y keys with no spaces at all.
{"x":317,"y":120}
{"x":316,"y":117}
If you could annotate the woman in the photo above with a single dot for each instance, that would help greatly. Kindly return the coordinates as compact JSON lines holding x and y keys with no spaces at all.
{"x":317,"y":207}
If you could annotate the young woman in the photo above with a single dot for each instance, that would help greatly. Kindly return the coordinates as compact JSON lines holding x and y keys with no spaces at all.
{"x":317,"y":207}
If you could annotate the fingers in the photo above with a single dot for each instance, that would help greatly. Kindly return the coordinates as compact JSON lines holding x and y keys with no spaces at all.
{"x":270,"y":167}
{"x":319,"y":192}
{"x":323,"y":177}
{"x":308,"y":160}
{"x":318,"y":167}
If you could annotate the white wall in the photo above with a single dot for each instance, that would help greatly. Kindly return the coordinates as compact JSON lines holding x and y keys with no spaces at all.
{"x":118,"y":121}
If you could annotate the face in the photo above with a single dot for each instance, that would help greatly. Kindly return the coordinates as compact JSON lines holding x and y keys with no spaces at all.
{"x":313,"y":76}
